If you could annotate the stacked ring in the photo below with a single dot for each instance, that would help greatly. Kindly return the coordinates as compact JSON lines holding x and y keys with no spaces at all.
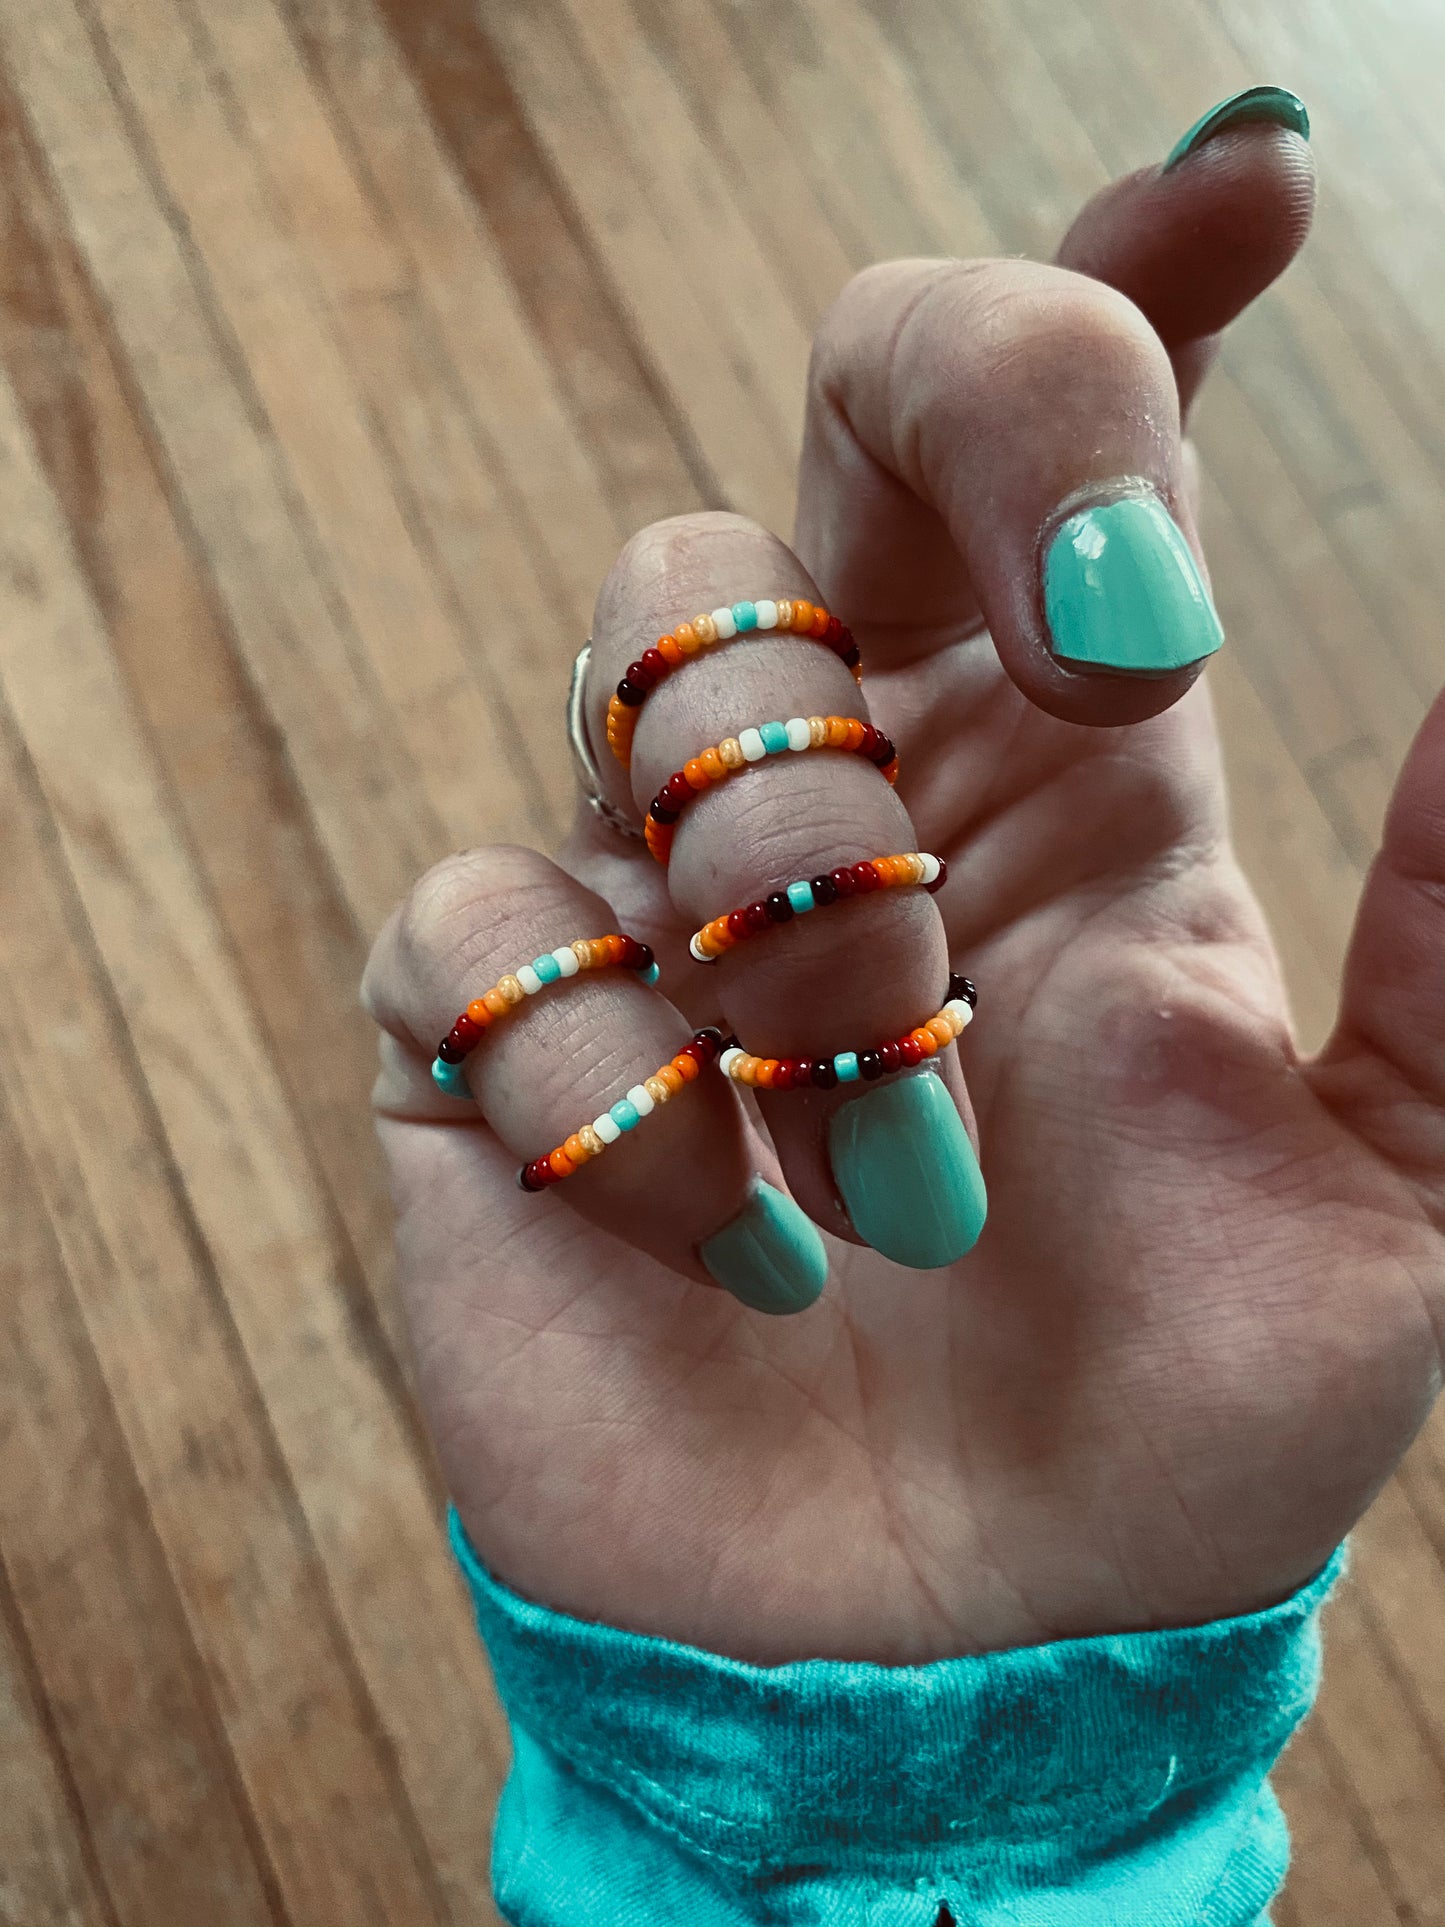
{"x":846,"y":1067}
{"x":655,"y":665}
{"x":724,"y":759}
{"x":813,"y":893}
{"x":587,"y":953}
{"x":625,"y":1115}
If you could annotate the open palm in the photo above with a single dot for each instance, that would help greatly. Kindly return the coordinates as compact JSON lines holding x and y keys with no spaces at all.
{"x":1204,"y":1319}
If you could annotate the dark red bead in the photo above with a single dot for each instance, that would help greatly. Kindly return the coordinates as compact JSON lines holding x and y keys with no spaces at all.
{"x":824,"y":891}
{"x":637,"y":675}
{"x":869,"y":744}
{"x":778,"y":907}
{"x":757,"y":918}
{"x":842,"y":880}
{"x":910,"y":1051}
{"x":865,"y":878}
{"x":852,"y":655}
{"x":465,"y":1032}
{"x":939,"y":881}
{"x":885,"y":751}
{"x":450,"y":1051}
{"x":655,"y":663}
{"x":631,"y":693}
{"x":783,"y":1075}
{"x":870,"y":1064}
{"x":708,"y":1040}
{"x":661,"y":812}
{"x":737,"y":923}
{"x":824,"y":1076}
{"x":678,"y":791}
{"x":890,"y":1056}
{"x":834,"y":632}
{"x":526,"y":1177}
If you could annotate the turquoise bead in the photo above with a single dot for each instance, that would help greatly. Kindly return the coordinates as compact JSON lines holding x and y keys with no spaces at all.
{"x":451,"y":1078}
{"x":652,"y":973}
{"x":547,"y":968}
{"x":775,"y":737}
{"x":800,"y":895}
{"x":846,"y":1065}
{"x":745,"y":615}
{"x":624,"y":1115}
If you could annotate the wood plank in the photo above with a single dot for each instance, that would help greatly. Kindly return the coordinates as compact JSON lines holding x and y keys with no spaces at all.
{"x":45,"y":1871}
{"x":158,"y":1807}
{"x":739,"y":386}
{"x":390,"y":1774}
{"x":296,"y":637}
{"x":442,"y":133}
{"x":1336,"y":1867}
{"x":288,"y":923}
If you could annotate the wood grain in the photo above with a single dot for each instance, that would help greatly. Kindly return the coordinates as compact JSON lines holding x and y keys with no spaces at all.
{"x":341,"y":343}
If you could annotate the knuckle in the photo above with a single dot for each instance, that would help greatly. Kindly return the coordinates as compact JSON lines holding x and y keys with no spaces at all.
{"x":663,"y":568}
{"x":1027,"y":322}
{"x":462,"y":901}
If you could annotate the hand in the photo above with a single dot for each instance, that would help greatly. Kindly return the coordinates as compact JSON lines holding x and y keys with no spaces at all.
{"x":1204,"y":1318}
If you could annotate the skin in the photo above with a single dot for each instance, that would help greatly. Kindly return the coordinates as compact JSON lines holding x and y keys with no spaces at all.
{"x":1205,"y":1317}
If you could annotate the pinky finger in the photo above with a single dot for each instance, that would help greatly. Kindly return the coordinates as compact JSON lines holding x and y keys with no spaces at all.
{"x":568,"y":1073}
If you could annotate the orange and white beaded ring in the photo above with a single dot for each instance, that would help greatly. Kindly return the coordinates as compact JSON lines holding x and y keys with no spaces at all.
{"x":767,"y":616}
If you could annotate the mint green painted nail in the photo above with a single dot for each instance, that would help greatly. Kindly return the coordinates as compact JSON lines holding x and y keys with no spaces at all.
{"x":906,"y":1170}
{"x":770,"y":1256}
{"x":1276,"y":106}
{"x":1122,"y":591}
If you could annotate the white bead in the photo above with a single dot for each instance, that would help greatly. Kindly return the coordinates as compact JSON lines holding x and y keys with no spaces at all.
{"x":529,"y":980}
{"x":607,"y":1128}
{"x":751,"y":745}
{"x":960,"y":1010}
{"x":799,"y":734}
{"x":930,"y":867}
{"x":726,"y":627}
{"x":566,"y":960}
{"x":642,"y":1101}
{"x":701,"y":955}
{"x":728,"y":1059}
{"x":767,"y":614}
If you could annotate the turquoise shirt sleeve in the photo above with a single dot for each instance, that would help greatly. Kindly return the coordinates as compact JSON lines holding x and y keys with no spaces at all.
{"x":1106,"y":1782}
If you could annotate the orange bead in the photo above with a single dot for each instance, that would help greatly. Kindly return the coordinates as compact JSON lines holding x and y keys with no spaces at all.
{"x":925,"y":1040}
{"x":687,"y":639}
{"x":722,"y":936}
{"x":687,"y":1068}
{"x":713,"y":763}
{"x":672,"y":1077}
{"x":854,"y":738}
{"x":495,"y":1002}
{"x":575,"y":1149}
{"x":890,"y":868}
{"x":479,"y":1014}
{"x":667,"y":648}
{"x":616,"y":949}
{"x":696,"y":775}
{"x":561,"y":1163}
{"x":803,"y":613}
{"x":766,"y":1071}
{"x":941,"y":1030}
{"x":820,"y":622}
{"x":837,"y":731}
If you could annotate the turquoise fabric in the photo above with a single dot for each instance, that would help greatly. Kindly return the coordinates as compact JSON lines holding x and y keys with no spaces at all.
{"x":1108,"y":1782}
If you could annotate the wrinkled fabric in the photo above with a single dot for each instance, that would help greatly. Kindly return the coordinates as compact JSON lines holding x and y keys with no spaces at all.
{"x":1118,"y":1781}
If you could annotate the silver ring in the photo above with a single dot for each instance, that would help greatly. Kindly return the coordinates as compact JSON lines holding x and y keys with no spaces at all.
{"x":589,"y":777}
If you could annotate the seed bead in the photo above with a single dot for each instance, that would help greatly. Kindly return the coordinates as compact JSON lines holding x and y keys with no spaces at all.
{"x":875,"y":873}
{"x":850,"y":1066}
{"x":591,"y":1140}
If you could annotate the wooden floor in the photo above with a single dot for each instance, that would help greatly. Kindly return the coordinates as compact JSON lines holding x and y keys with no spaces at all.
{"x":341,"y":342}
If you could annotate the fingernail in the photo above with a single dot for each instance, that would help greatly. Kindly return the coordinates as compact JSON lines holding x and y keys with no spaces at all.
{"x":1276,"y":106}
{"x":907,"y":1172}
{"x":1122,"y":591}
{"x":770,"y":1256}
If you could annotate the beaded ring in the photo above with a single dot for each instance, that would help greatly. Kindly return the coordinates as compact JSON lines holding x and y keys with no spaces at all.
{"x":846,"y":1067}
{"x":587,"y":953}
{"x":625,"y":1115}
{"x":852,"y":880}
{"x":655,"y":665}
{"x":724,"y":759}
